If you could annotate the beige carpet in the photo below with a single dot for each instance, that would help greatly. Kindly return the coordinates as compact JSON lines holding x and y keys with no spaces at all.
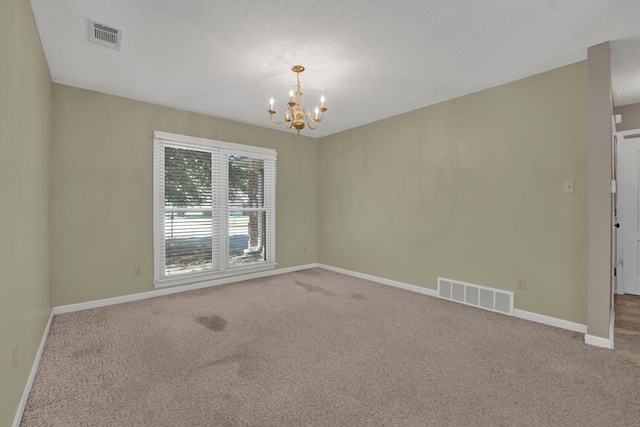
{"x":319,"y":348}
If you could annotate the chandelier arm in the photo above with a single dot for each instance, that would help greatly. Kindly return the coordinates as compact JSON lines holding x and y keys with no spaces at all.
{"x":278,"y":123}
{"x":312,"y":127}
{"x":310,"y":120}
{"x":316,"y":121}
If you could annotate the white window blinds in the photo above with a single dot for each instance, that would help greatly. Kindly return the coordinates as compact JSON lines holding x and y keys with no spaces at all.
{"x":214,"y":208}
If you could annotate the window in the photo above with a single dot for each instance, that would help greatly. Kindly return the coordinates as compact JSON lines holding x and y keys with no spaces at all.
{"x":214,"y":208}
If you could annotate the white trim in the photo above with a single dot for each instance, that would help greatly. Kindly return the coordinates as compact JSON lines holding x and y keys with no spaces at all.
{"x":522,"y":314}
{"x":598,"y":341}
{"x":219,"y":152}
{"x":127,"y":298}
{"x":195,"y":141}
{"x":408,"y":287}
{"x":168,"y":291}
{"x":32,"y":375}
{"x":612,"y":320}
{"x":190,"y":277}
{"x":632,"y":133}
{"x":551,"y":321}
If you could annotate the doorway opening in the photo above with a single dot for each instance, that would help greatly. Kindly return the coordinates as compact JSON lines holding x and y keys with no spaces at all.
{"x":626,"y":215}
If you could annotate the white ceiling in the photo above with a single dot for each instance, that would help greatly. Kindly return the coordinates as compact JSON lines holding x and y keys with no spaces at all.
{"x":371,"y":58}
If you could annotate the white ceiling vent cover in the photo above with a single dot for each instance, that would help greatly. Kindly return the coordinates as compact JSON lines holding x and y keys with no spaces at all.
{"x":104,"y":35}
{"x":478,"y":296}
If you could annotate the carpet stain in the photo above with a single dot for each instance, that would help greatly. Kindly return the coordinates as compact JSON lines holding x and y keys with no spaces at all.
{"x":311,"y":272}
{"x":213,"y":322}
{"x":246,"y":364}
{"x":358,"y":297}
{"x":228,"y":359}
{"x":316,"y":289}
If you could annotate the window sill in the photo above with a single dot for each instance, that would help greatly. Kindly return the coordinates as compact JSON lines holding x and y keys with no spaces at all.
{"x":201,"y":277}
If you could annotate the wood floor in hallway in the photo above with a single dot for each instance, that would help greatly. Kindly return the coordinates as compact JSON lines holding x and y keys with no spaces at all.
{"x":627,"y":326}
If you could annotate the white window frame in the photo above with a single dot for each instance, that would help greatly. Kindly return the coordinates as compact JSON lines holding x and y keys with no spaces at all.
{"x":221,"y":266}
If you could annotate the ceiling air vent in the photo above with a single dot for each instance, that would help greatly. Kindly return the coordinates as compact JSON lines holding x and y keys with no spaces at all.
{"x":104,"y":35}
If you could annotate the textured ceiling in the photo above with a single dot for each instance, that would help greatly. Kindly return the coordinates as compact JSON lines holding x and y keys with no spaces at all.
{"x":371,"y":58}
{"x":625,"y":68}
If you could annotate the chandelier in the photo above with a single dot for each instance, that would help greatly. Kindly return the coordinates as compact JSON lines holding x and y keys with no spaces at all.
{"x":297,"y":116}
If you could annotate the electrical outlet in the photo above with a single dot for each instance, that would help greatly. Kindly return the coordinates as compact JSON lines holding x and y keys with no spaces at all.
{"x":15,"y":358}
{"x":521,"y":284}
{"x":136,"y":271}
{"x":569,"y":187}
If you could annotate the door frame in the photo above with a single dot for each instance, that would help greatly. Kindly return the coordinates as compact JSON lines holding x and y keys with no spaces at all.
{"x":618,"y":285}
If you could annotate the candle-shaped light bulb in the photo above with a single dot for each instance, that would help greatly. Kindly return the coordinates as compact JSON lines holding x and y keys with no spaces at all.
{"x":317,"y":111}
{"x":271,"y":102}
{"x":291,"y":93}
{"x":322,"y":100}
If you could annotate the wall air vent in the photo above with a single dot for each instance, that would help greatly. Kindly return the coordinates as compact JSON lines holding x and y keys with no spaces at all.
{"x":104,"y":35}
{"x":478,"y":296}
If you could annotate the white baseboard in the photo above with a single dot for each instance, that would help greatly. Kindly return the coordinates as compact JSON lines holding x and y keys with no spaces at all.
{"x":127,"y":298}
{"x":551,"y":321}
{"x":522,"y":314}
{"x":177,"y":289}
{"x":598,"y":341}
{"x":534,"y":317}
{"x":414,"y":288}
{"x":32,"y":374}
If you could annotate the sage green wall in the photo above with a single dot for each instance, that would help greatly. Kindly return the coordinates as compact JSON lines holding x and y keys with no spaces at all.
{"x":599,"y":205}
{"x":102,"y":190}
{"x":25,"y":124}
{"x":469,"y":189}
{"x":630,"y":117}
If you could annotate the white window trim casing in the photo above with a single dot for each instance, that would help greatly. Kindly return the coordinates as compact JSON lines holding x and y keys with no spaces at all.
{"x":163,"y":139}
